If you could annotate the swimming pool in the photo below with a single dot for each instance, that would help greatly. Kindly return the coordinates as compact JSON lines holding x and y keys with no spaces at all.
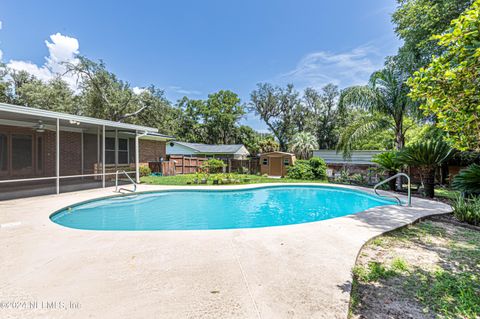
{"x":217,"y":209}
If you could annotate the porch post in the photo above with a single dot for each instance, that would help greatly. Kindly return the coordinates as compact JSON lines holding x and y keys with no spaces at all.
{"x":57,"y":153}
{"x":137,"y":158}
{"x":103,"y":156}
{"x":116,"y":149}
{"x":98,"y":149}
{"x":81,"y":152}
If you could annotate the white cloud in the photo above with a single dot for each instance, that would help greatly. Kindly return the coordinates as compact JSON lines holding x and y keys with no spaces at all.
{"x":138,"y":90}
{"x":61,"y":49}
{"x":180,"y":90}
{"x":344,"y":69}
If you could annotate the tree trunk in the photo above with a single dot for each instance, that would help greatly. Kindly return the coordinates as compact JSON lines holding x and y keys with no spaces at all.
{"x":429,"y":182}
{"x":391,"y":183}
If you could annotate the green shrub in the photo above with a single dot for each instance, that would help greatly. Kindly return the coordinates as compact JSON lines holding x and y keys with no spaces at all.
{"x":468,"y":180}
{"x":301,"y":170}
{"x":144,"y":171}
{"x":213,"y":166}
{"x":467,"y":209}
{"x":319,"y":167}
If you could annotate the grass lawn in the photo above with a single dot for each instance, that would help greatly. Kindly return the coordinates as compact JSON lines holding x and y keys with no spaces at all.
{"x":244,"y":179}
{"x":427,"y":270}
{"x":446,"y":193}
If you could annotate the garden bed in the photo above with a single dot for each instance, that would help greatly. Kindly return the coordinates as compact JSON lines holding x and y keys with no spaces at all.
{"x":427,"y":270}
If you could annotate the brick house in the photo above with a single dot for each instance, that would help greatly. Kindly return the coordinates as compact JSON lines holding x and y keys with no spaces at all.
{"x":45,"y":152}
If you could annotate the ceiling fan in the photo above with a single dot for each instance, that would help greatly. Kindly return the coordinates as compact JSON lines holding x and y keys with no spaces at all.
{"x":39,"y":127}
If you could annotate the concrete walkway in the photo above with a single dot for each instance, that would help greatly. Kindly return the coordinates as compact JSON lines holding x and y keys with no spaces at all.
{"x":296,"y":271}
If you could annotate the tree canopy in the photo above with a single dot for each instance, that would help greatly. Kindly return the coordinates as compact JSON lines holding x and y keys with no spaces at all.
{"x":449,"y":87}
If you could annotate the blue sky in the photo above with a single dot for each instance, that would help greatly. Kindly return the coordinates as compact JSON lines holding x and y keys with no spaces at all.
{"x":195,"y":48}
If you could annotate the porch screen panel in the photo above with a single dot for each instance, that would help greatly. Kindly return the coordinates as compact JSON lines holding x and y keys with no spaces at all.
{"x":122,"y":151}
{"x":109,"y":150}
{"x":22,"y":155}
{"x":3,"y":152}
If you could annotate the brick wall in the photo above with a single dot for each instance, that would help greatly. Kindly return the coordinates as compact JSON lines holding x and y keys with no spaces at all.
{"x":70,"y":155}
{"x":152,"y":151}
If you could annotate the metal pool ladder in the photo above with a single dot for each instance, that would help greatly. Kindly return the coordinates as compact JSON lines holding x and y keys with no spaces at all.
{"x":118,"y":190}
{"x":398,"y":199}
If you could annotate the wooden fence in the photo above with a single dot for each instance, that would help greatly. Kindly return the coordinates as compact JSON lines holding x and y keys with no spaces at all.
{"x":178,"y":164}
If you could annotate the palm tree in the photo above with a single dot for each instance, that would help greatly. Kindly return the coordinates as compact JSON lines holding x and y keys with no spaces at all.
{"x":427,"y":156}
{"x":387,"y":102}
{"x":303,"y":143}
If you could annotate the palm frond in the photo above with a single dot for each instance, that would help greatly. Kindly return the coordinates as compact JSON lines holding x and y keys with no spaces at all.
{"x":362,"y":127}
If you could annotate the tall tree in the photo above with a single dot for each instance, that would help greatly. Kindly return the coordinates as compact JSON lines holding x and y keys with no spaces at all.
{"x":159,"y":113}
{"x":249,"y":137}
{"x":449,"y":87}
{"x":190,"y":128}
{"x":416,"y":21}
{"x":324,"y":114}
{"x":104,"y":95}
{"x":277,"y":107}
{"x":387,"y":102}
{"x":220,"y":115}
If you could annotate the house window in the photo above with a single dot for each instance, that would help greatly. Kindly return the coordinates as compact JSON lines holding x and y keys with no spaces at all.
{"x":286,"y":162}
{"x":265,"y":161}
{"x":3,"y":152}
{"x":22,"y":151}
{"x":40,"y":153}
{"x":110,"y":150}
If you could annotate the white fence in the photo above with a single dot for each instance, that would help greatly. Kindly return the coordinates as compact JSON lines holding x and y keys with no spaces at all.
{"x":357,"y":157}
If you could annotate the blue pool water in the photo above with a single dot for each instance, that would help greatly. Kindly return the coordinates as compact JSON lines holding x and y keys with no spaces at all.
{"x":217,"y":209}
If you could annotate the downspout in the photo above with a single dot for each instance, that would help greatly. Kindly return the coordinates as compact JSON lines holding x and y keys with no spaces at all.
{"x":137,"y":155}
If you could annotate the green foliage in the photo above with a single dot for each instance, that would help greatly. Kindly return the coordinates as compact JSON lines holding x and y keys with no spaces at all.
{"x":319,"y":167}
{"x":303,"y":143}
{"x":373,"y":272}
{"x":213,"y":121}
{"x":144,"y":170}
{"x":249,"y":137}
{"x":388,"y":161}
{"x":221,"y":113}
{"x":313,"y":169}
{"x":449,"y":88}
{"x":416,"y":21}
{"x":267,"y":145}
{"x":301,"y":170}
{"x":468,"y":180}
{"x":279,"y":109}
{"x":387,"y":102}
{"x":213,"y":166}
{"x":323,"y":118}
{"x":427,"y":155}
{"x":453,"y":295}
{"x":186,"y":179}
{"x":467,"y":209}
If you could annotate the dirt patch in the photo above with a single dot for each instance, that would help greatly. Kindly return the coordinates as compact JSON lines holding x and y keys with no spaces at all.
{"x":427,"y":270}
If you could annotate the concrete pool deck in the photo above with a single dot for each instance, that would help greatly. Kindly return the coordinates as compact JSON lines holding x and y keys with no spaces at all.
{"x":295,"y":271}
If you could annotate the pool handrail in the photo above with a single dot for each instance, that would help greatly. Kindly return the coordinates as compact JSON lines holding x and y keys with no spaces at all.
{"x":398,"y":199}
{"x":131,"y":180}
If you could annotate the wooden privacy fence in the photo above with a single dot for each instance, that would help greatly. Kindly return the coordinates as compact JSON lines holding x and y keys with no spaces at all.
{"x":178,"y":164}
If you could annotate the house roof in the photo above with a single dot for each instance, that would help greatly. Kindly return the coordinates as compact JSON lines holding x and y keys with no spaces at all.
{"x":277,"y":153}
{"x":214,"y":148}
{"x":39,"y":113}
